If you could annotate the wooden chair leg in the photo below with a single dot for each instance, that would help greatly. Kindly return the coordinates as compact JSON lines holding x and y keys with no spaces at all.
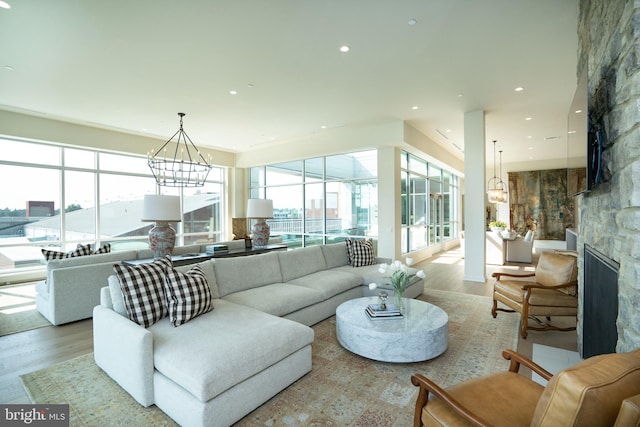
{"x":494,"y":309}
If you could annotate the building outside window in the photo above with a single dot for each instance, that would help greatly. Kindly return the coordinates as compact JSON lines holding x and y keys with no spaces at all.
{"x":320,"y":200}
{"x":102,"y":196}
{"x":429,"y":199}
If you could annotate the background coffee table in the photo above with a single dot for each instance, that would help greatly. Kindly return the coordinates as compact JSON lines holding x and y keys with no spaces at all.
{"x":421,"y":334}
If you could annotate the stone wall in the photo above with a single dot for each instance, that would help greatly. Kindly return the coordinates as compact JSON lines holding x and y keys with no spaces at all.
{"x":609,"y":43}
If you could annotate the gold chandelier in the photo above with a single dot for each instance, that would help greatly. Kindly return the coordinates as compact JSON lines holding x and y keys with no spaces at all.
{"x":179,"y":163}
{"x":497,"y":192}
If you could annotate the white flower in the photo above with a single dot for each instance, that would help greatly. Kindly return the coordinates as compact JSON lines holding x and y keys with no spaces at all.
{"x":397,"y":265}
{"x":372,"y":286}
{"x":383,"y":268}
{"x":409,"y":261}
{"x":421,"y":274}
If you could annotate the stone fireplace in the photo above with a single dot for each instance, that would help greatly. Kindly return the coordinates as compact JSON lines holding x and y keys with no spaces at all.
{"x":609,"y":43}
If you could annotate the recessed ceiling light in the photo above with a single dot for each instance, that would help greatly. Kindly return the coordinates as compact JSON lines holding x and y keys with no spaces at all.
{"x":323,"y":127}
{"x":528,"y":118}
{"x":5,"y":5}
{"x":519,"y":89}
{"x":233,"y":92}
{"x":571,"y":132}
{"x":529,"y":137}
{"x":460,"y":95}
{"x":530,"y":148}
{"x":578,"y":111}
{"x":8,"y":67}
{"x":415,"y":107}
{"x":344,"y":49}
{"x":448,"y":130}
{"x":412,"y":21}
{"x":250,"y":85}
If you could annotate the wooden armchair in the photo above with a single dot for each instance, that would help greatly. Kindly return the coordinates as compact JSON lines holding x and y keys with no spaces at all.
{"x":600,"y":391}
{"x":552,"y":291}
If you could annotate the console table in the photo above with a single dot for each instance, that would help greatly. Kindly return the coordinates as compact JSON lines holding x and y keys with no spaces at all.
{"x":194,"y":258}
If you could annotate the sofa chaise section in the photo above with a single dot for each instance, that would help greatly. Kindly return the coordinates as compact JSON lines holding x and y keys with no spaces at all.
{"x":212,"y":370}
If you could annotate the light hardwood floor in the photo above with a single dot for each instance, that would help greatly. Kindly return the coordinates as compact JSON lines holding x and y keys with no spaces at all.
{"x":36,"y":349}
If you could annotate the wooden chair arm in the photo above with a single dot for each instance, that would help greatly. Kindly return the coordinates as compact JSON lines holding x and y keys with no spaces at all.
{"x":426,"y":386}
{"x":497,"y":275}
{"x":518,"y":359}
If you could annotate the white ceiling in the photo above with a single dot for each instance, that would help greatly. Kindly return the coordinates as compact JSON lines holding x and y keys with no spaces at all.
{"x":134,"y":64}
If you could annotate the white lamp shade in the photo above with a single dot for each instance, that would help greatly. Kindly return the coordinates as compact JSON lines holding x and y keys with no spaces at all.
{"x":259,"y":208}
{"x":161,"y":208}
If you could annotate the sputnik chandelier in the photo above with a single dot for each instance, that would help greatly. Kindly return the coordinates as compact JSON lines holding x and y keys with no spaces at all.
{"x":179,"y":163}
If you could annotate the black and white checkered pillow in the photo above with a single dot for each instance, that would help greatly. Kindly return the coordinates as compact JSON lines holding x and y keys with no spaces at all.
{"x":104,"y":249}
{"x":80,"y":250}
{"x":143,"y":290}
{"x":360,"y":252}
{"x":188,"y":295}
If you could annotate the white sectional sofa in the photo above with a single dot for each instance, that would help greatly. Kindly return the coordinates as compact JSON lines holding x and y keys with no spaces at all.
{"x":221,"y":365}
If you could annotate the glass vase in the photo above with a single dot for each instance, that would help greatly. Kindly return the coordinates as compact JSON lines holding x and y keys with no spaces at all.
{"x":400,"y":303}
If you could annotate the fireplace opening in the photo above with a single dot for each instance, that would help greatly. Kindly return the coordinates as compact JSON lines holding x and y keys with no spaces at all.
{"x":600,"y":299}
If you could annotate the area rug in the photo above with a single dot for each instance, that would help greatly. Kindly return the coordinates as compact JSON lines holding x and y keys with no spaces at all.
{"x":18,"y":311}
{"x":342,"y":389}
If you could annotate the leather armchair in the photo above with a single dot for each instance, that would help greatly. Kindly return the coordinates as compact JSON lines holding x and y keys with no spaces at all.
{"x":551,"y":291}
{"x":599,"y":391}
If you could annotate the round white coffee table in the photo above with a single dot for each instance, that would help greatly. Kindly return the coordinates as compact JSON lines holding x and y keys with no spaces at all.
{"x":421,"y":334}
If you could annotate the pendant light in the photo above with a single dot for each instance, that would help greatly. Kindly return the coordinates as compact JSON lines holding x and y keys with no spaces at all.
{"x":179,"y":163}
{"x":497,"y":192}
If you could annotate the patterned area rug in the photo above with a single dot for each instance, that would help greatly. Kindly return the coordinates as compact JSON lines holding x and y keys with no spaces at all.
{"x":18,"y":309}
{"x":342,"y":389}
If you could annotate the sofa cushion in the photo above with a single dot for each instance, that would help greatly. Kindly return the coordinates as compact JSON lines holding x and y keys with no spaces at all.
{"x":300,"y":262}
{"x":329,"y":282}
{"x":207,"y":269}
{"x":188,"y":295}
{"x":360,"y":252}
{"x":143,"y":290}
{"x":335,"y":254}
{"x":224,"y":347}
{"x":117,"y":298}
{"x":80,"y":250}
{"x":278,"y":299}
{"x":241,"y":273}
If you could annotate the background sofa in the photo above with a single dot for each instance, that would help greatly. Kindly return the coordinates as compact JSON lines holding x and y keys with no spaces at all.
{"x":223,"y":364}
{"x":72,"y":286}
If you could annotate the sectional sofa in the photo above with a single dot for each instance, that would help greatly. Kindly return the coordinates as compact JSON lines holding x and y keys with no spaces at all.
{"x":221,"y":365}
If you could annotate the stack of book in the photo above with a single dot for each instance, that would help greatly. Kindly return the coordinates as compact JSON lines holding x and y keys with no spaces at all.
{"x":217,"y":249}
{"x":375,"y":312}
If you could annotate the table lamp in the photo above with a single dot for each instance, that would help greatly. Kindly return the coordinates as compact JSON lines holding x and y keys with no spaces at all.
{"x":162,"y":210}
{"x":260,"y":209}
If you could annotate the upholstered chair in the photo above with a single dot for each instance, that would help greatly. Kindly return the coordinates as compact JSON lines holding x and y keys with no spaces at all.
{"x":521,"y":249}
{"x":597,"y":392}
{"x":552,"y":290}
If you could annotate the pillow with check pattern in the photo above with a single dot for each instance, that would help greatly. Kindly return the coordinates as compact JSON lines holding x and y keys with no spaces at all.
{"x":80,"y":250}
{"x":104,"y":249}
{"x":143,"y":290}
{"x":188,"y":295}
{"x":360,"y":252}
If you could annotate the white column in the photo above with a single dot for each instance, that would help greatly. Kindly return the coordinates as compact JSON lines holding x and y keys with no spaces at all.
{"x":389,"y":210}
{"x":474,"y":197}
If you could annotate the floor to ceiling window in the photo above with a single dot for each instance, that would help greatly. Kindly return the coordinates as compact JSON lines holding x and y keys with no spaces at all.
{"x":320,"y":200}
{"x":56,"y":197}
{"x":429,"y":198}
